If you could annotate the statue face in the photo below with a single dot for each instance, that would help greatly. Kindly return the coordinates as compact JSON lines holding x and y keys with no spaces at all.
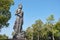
{"x":20,"y":6}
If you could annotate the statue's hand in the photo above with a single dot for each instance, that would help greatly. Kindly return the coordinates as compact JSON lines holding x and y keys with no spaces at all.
{"x":15,"y":14}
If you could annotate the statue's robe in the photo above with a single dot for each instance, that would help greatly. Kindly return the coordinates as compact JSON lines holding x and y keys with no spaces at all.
{"x":19,"y":22}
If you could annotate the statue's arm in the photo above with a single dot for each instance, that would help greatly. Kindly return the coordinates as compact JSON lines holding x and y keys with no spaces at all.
{"x":16,"y":12}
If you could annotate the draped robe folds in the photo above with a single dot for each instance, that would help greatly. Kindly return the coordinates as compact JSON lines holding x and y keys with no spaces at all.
{"x":18,"y":23}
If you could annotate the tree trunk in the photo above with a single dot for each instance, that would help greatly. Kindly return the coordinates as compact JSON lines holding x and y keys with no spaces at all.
{"x":53,"y":37}
{"x":38,"y":36}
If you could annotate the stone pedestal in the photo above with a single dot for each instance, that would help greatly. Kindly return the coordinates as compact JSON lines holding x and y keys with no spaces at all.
{"x":19,"y":36}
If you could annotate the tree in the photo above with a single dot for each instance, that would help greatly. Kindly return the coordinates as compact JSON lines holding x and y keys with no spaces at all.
{"x":57,"y":27}
{"x":47,"y":31}
{"x":50,"y":21}
{"x":29,"y":33}
{"x":3,"y":37}
{"x":5,"y":14}
{"x":37,"y":29}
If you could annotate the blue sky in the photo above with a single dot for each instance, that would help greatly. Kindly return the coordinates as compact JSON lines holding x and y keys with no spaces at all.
{"x":33,"y":10}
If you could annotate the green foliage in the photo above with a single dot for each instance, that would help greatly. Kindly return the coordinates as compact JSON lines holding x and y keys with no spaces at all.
{"x":57,"y":26}
{"x":2,"y":37}
{"x":5,"y":14}
{"x":41,"y":31}
{"x":5,"y":4}
{"x":29,"y":33}
{"x":4,"y":18}
{"x":50,"y":19}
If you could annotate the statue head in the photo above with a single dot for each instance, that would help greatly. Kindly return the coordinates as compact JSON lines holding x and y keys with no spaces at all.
{"x":20,"y":6}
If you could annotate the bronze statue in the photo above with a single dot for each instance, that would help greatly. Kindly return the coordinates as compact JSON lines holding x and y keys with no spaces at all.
{"x":19,"y":21}
{"x":18,"y":33}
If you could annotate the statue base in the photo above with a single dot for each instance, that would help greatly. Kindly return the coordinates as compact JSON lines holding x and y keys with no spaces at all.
{"x":19,"y":36}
